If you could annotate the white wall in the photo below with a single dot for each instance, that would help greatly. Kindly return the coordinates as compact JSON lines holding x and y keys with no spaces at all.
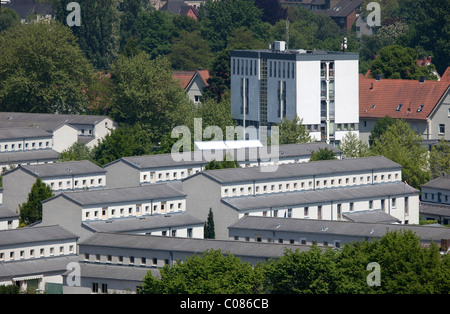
{"x":308,"y":91}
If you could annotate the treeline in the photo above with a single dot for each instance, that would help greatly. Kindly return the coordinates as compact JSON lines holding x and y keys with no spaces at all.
{"x":395,"y":264}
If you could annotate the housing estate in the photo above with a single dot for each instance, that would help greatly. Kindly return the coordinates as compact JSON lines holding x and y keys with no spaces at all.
{"x":324,"y":233}
{"x":137,"y":170}
{"x":74,"y":210}
{"x":211,"y":189}
{"x":35,"y":258}
{"x":60,"y":176}
{"x":320,"y":87}
{"x":435,"y":198}
{"x":108,"y":257}
{"x":425,"y":105}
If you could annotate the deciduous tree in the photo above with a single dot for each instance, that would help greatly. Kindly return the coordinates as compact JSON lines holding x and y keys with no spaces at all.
{"x":31,"y":210}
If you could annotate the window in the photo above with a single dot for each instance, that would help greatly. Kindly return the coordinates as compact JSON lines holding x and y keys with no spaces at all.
{"x":441,"y":128}
{"x":370,"y":204}
{"x":104,"y":288}
{"x":399,"y":107}
{"x":94,"y":287}
{"x":305,"y":211}
{"x":394,"y":201}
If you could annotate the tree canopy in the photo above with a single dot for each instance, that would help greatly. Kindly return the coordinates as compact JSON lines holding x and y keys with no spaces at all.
{"x":31,"y":211}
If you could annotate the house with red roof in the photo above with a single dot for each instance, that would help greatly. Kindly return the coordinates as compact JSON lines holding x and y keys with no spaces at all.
{"x":425,"y":105}
{"x":193,"y":83}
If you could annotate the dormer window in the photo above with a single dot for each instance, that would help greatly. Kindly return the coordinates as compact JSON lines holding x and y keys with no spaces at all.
{"x":399,"y":107}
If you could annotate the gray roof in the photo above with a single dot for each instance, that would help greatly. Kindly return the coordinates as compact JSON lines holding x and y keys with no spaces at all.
{"x":58,"y":169}
{"x":29,"y":156}
{"x":309,"y":169}
{"x":7,"y":213}
{"x":373,"y":216}
{"x":343,"y":228}
{"x":189,"y":245}
{"x":166,"y":160}
{"x":437,"y":209}
{"x":442,"y":183}
{"x":37,"y":266}
{"x":22,"y":133}
{"x":48,"y":126}
{"x":122,"y":195}
{"x":318,"y":196}
{"x":143,"y":223}
{"x":21,"y":236}
{"x":51,"y":118}
{"x":115,"y":272}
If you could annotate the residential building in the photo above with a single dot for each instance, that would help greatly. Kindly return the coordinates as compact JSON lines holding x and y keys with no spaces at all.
{"x":60,"y":176}
{"x":436,"y":200}
{"x":35,"y":258}
{"x":74,"y":210}
{"x":392,"y":202}
{"x":320,"y":87}
{"x":193,"y":83}
{"x":324,"y":233}
{"x":344,"y":13}
{"x":207,"y":190}
{"x":25,"y":145}
{"x":25,"y":8}
{"x":173,"y":225}
{"x":180,"y":7}
{"x":131,"y":256}
{"x":425,"y":105}
{"x":133,"y":171}
{"x":8,"y":219}
{"x":90,"y":128}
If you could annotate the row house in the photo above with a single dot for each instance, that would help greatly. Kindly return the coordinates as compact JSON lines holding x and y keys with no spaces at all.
{"x":60,"y":176}
{"x":398,"y":201}
{"x":207,"y":189}
{"x":136,"y":255}
{"x":34,"y":258}
{"x":324,"y":233}
{"x":72,"y":209}
{"x":66,"y":129}
{"x":133,"y":171}
{"x":435,"y":198}
{"x":25,"y":145}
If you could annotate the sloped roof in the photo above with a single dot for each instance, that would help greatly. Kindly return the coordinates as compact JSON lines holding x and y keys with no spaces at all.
{"x":63,"y":169}
{"x":343,"y":8}
{"x":381,"y":98}
{"x":50,"y":118}
{"x":442,"y":183}
{"x":13,"y":133}
{"x":26,"y":7}
{"x":186,"y":77}
{"x":35,"y":234}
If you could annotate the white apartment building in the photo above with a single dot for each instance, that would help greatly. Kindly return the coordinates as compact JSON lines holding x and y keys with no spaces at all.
{"x":35,"y":257}
{"x":72,"y":209}
{"x":209,"y":189}
{"x":60,"y":176}
{"x":320,"y":87}
{"x":137,"y":170}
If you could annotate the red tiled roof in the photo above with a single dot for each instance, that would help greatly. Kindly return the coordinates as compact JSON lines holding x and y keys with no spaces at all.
{"x":378,"y":99}
{"x":185,"y":77}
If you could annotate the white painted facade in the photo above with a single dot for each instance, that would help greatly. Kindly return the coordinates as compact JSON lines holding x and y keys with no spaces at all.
{"x":319,"y":87}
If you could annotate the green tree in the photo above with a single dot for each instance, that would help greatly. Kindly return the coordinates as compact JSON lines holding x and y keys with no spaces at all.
{"x":31,"y":211}
{"x":380,"y":127}
{"x":224,"y":164}
{"x":78,"y":151}
{"x":308,"y":272}
{"x":352,"y":147}
{"x":8,"y":19}
{"x":402,"y":145}
{"x":440,"y":158}
{"x":219,"y":18}
{"x":190,"y":52}
{"x":209,"y":230}
{"x":396,"y":62}
{"x":42,"y":70}
{"x":293,"y":131}
{"x":126,"y":140}
{"x":98,"y":32}
{"x":144,"y":92}
{"x":213,"y":272}
{"x":323,"y":154}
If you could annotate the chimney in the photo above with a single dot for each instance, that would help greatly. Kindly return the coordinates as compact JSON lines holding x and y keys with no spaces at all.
{"x":379,"y":77}
{"x":371,"y":85}
{"x":422,"y":79}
